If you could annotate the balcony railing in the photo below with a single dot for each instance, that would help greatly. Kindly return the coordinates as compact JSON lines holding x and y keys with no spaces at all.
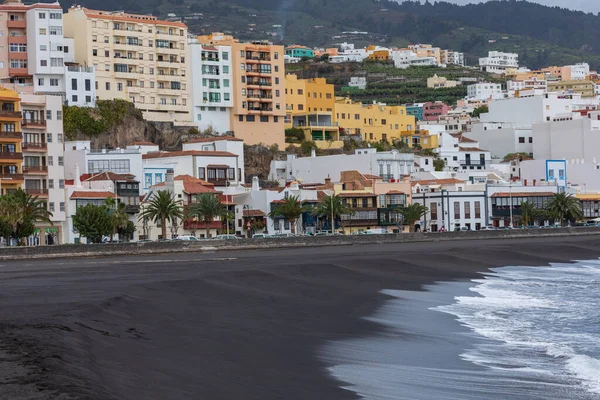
{"x":10,"y":114}
{"x":36,"y":192}
{"x":259,"y":96}
{"x":14,"y":177}
{"x":35,"y":169}
{"x":11,"y":135}
{"x":35,"y":146}
{"x":10,"y":155}
{"x":214,"y":59}
{"x":33,"y":122}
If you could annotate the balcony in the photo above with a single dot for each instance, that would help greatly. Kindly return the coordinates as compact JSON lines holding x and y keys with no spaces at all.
{"x":10,"y":114}
{"x":11,"y":156}
{"x":18,"y":71}
{"x":17,"y":39}
{"x":33,"y":123}
{"x":35,"y":169}
{"x":252,"y":82}
{"x":132,"y":209}
{"x":16,"y":24}
{"x":210,"y":59}
{"x":12,"y":136}
{"x":217,"y":182}
{"x":252,"y":95}
{"x":37,"y":192}
{"x":11,"y":177}
{"x":43,"y":147}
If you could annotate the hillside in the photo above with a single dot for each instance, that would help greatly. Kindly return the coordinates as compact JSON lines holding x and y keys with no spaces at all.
{"x":541,"y":35}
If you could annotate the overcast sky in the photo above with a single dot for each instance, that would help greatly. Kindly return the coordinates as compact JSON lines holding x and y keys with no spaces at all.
{"x":583,"y":5}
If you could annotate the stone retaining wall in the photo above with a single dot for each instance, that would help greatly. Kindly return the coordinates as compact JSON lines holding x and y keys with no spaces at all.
{"x":99,"y":250}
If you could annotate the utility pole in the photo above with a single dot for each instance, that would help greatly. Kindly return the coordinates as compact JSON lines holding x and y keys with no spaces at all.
{"x":510,"y":206}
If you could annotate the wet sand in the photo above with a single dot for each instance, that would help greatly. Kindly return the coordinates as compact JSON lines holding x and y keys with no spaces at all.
{"x":235,"y":325}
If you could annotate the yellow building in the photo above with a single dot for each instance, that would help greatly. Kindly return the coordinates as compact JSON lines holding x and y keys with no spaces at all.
{"x":427,"y":50}
{"x":436,"y":82}
{"x":11,"y":138}
{"x":138,"y":58}
{"x":377,"y":55}
{"x":584,"y":88}
{"x":374,"y":122}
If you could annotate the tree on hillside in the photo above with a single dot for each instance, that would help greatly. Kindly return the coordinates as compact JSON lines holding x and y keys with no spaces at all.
{"x":480,"y":110}
{"x":565,"y":206}
{"x":162,"y":207}
{"x":332,"y":207}
{"x":290,"y":209}
{"x":93,"y":222}
{"x":207,"y":207}
{"x":411,"y":214}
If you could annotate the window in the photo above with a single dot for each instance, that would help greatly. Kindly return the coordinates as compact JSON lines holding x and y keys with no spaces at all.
{"x":50,"y":160}
{"x":276,"y":79}
{"x":43,"y":63}
{"x":301,"y":107}
{"x":530,"y":140}
{"x":61,"y":183}
{"x":241,"y":118}
{"x":225,"y":97}
{"x":276,"y":68}
{"x":225,"y":82}
{"x":120,"y":87}
{"x":231,"y":173}
{"x":467,"y":210}
{"x":106,"y":53}
{"x":56,"y":30}
{"x":521,"y":139}
{"x":328,"y":96}
{"x":477,"y":209}
{"x":48,"y":115}
{"x":51,"y":206}
{"x":225,"y":55}
{"x":433,"y":208}
{"x":74,"y":98}
{"x":107,"y":85}
{"x":357,"y":117}
{"x":41,"y":82}
{"x":42,"y":15}
{"x":94,"y":38}
{"x":94,"y":52}
{"x":249,"y":118}
{"x":264,"y":118}
{"x":43,"y":31}
{"x":74,"y":84}
{"x":456,"y":210}
{"x":56,"y":62}
{"x":59,"y":137}
{"x":225,"y":69}
{"x":60,"y":160}
{"x":50,"y":183}
{"x":53,"y":82}
{"x":276,"y":55}
{"x":277,"y":93}
{"x":61,"y":206}
{"x":243,"y":66}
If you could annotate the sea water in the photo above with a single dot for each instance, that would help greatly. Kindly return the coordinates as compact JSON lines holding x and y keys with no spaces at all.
{"x":517,"y":333}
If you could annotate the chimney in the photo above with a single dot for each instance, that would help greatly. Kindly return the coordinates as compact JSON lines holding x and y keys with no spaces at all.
{"x":170,"y":176}
{"x":405,"y":178}
{"x":328,"y":181}
{"x":313,"y":153}
{"x":255,"y":184}
{"x":77,"y":180}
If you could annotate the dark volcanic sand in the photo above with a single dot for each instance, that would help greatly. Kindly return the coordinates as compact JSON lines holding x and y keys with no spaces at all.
{"x":198,"y":326}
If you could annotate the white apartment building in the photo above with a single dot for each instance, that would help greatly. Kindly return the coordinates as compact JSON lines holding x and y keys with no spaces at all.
{"x":462,"y":153}
{"x":498,"y":62}
{"x":43,"y":160}
{"x":538,"y":86}
{"x":212,"y":85}
{"x":507,"y":127}
{"x":359,"y":82}
{"x":405,"y":58}
{"x":219,"y":161}
{"x":80,"y":85}
{"x":579,"y":71}
{"x":138,"y":58}
{"x":390,"y":165}
{"x":79,"y":156}
{"x":454,"y":58}
{"x":484,"y":91}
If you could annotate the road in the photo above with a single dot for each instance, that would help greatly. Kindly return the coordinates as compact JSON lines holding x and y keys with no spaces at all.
{"x":226,"y":325}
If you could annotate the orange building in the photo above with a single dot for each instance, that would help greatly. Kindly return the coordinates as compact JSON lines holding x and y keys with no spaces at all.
{"x":11,"y":138}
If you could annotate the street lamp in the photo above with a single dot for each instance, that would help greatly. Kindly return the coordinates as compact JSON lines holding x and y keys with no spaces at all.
{"x":510,"y":206}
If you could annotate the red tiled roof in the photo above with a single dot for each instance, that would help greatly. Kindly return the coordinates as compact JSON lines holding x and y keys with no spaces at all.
{"x":197,"y":188}
{"x":321,"y":195}
{"x":166,"y":154}
{"x":92,"y":195}
{"x":254,"y":213}
{"x":463,"y":139}
{"x":395,"y":192}
{"x":215,"y":139}
{"x":111,"y":176}
{"x":470,"y":149}
{"x":523,"y":194}
{"x":192,"y":179}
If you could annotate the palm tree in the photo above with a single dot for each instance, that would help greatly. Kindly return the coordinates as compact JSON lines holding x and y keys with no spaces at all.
{"x":332,"y":207}
{"x":290,"y":209}
{"x":163,"y":207}
{"x":528,"y":211}
{"x":30,"y":209}
{"x":119,"y":217}
{"x":412,"y":213}
{"x":565,"y":206}
{"x":207,"y":207}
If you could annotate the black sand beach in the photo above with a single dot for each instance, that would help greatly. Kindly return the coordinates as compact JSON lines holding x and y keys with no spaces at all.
{"x":235,"y":325}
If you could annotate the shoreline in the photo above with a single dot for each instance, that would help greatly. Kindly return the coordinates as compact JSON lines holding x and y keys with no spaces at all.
{"x":189,"y":325}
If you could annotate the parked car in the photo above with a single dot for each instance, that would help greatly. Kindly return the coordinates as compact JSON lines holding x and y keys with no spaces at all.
{"x":186,"y":237}
{"x":488,"y":228}
{"x":261,"y":236}
{"x":226,"y":237}
{"x":465,"y":229}
{"x":283,"y":235}
{"x":144,"y":241}
{"x":377,"y":231}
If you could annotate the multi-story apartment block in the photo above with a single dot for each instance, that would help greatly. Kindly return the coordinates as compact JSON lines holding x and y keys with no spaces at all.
{"x":584,"y":88}
{"x":11,"y":156}
{"x":138,"y":58}
{"x":212,"y":85}
{"x":39,"y":58}
{"x":258,"y":89}
{"x":485,"y":91}
{"x":43,"y":159}
{"x":498,"y":62}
